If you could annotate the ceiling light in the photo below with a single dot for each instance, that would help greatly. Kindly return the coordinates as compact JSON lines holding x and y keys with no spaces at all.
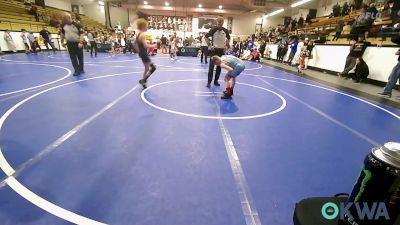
{"x":101,"y":3}
{"x":166,"y":3}
{"x":200,"y":6}
{"x":299,"y":3}
{"x":220,"y":6}
{"x":145,"y":2}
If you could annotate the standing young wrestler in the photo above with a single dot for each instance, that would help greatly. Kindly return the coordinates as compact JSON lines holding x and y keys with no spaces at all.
{"x":142,"y":46}
{"x":235,"y":66}
{"x":172,"y":51}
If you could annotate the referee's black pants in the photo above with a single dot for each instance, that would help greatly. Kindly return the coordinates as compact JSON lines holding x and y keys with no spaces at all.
{"x":219,"y":52}
{"x":76,"y":55}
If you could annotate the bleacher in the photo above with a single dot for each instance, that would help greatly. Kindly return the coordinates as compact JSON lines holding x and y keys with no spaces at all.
{"x":325,"y":26}
{"x":14,"y":16}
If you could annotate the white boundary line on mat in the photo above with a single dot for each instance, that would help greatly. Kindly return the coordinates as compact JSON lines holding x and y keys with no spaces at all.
{"x":280,"y":108}
{"x":68,"y":62}
{"x":23,"y":191}
{"x":41,"y":85}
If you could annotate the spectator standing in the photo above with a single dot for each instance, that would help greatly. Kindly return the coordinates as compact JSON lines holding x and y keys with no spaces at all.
{"x":310,"y":47}
{"x":250,"y":44}
{"x":279,"y":51}
{"x":25,"y":41}
{"x":286,"y":22}
{"x":164,"y":44}
{"x":294,"y":24}
{"x":301,"y":21}
{"x":73,"y":34}
{"x":240,"y":47}
{"x":293,"y":50}
{"x":393,"y":78}
{"x":46,"y":35}
{"x":308,"y":19}
{"x":345,"y":9}
{"x":9,"y":40}
{"x":204,"y":49}
{"x":336,"y":10}
{"x":263,"y":45}
{"x":395,"y":12}
{"x":357,"y":50}
{"x":284,"y":49}
{"x":220,"y":36}
{"x":92,"y":40}
{"x":131,"y":42}
{"x":170,"y":40}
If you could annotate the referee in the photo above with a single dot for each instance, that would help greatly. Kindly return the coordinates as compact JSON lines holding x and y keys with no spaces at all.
{"x":73,"y":34}
{"x":220,"y":36}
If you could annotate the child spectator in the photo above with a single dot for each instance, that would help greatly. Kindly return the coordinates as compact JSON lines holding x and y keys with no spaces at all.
{"x":31,"y":39}
{"x":173,"y":49}
{"x":25,"y":41}
{"x":303,"y":55}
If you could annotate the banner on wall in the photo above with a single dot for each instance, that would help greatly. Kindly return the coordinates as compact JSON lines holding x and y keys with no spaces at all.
{"x":75,"y":9}
{"x":171,"y":23}
{"x":206,"y":23}
{"x":229,"y":25}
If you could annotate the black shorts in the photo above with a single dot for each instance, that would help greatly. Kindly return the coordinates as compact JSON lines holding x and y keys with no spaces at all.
{"x":145,"y":58}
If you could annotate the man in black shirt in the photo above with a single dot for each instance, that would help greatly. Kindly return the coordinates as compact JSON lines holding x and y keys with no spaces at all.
{"x":220,"y":36}
{"x":46,"y":35}
{"x":356,"y":51}
{"x":393,"y":78}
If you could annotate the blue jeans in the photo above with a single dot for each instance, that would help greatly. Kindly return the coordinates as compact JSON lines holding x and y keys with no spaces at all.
{"x":393,"y":78}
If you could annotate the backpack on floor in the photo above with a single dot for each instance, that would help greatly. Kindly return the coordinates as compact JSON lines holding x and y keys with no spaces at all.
{"x":308,"y":211}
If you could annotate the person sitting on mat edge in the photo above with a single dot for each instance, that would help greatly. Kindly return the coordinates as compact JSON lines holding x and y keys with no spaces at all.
{"x":235,"y":66}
